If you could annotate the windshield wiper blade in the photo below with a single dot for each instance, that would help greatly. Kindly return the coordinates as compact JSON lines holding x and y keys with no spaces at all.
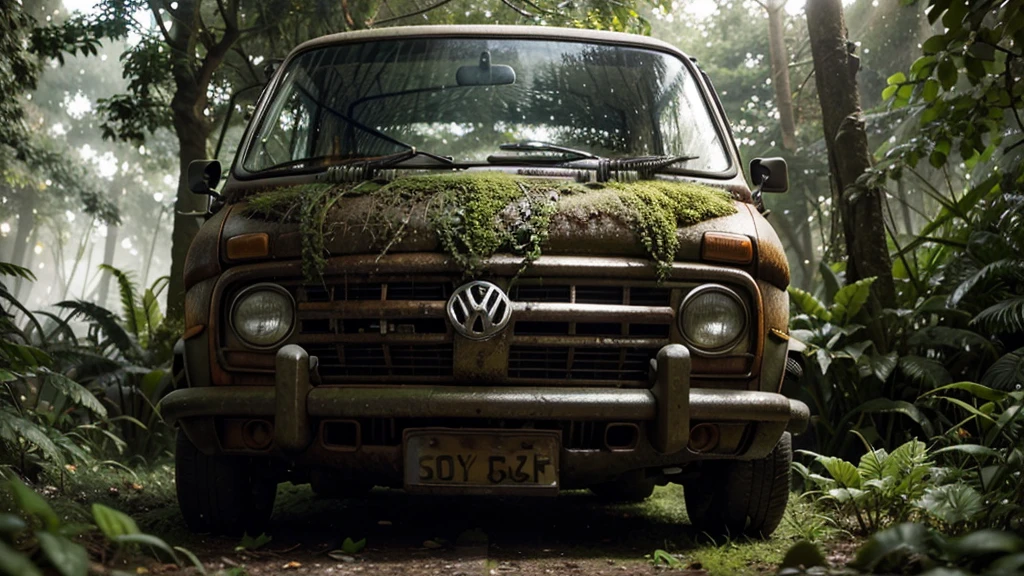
{"x":534,"y":146}
{"x":362,"y":169}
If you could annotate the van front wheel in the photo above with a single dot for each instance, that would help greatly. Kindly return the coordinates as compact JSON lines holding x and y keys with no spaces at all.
{"x":221,"y":494}
{"x":741,"y":497}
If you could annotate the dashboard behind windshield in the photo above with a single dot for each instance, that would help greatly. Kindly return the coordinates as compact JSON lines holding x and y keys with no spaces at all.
{"x":375,"y":98}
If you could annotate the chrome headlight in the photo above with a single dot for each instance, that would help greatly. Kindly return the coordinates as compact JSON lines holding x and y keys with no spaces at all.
{"x":712,"y":318}
{"x":263,"y":315}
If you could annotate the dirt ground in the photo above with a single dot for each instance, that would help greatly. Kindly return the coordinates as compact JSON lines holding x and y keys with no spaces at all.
{"x":418,"y":536}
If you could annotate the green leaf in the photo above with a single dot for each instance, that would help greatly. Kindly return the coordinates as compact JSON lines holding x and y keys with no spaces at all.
{"x":947,"y":73}
{"x":889,"y":91}
{"x":930,"y":91}
{"x":803,"y":554}
{"x":872,"y":464}
{"x":897,"y":78}
{"x":147,"y":540}
{"x":843,"y":472}
{"x":250,"y":543}
{"x":113,"y":523}
{"x":850,"y":299}
{"x":192,"y":558}
{"x":351,"y":547}
{"x":126,"y":287}
{"x":934,"y":45}
{"x":1006,"y":373}
{"x":888,"y":551}
{"x":952,"y":503}
{"x":831,"y":280}
{"x":888,"y":405}
{"x":809,"y":305}
{"x":75,"y":392}
{"x":14,"y":429}
{"x":976,"y":390}
{"x":1005,"y":317}
{"x":68,"y":558}
{"x":924,"y":371}
{"x":33,"y":504}
{"x":14,"y":562}
{"x":986,"y":542}
{"x":976,"y":451}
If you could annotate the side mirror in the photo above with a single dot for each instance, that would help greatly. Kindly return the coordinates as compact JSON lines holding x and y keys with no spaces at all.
{"x":203,"y":177}
{"x":769,"y":174}
{"x":485,"y":74}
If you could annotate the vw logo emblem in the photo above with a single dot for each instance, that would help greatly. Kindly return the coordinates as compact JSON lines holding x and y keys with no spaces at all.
{"x":479,"y":310}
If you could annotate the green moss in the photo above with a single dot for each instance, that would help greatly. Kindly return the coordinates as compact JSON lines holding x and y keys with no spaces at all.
{"x":659,"y":208}
{"x":478,"y":214}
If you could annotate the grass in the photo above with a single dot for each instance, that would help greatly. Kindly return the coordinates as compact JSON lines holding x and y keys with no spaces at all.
{"x":576,"y":526}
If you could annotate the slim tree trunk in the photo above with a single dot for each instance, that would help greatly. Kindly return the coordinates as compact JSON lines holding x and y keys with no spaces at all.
{"x":26,"y":225}
{"x":780,"y":72}
{"x":798,"y":230}
{"x":859,"y":205}
{"x":109,"y":248}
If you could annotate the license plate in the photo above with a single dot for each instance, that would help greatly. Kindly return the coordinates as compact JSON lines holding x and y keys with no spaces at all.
{"x":481,"y":461}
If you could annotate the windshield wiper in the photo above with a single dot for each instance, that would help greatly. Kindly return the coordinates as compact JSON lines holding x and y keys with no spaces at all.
{"x":534,"y":146}
{"x":362,"y":169}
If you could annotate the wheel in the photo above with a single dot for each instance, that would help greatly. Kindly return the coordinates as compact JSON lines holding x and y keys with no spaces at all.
{"x":221,"y":494}
{"x":741,"y":497}
{"x":632,"y":486}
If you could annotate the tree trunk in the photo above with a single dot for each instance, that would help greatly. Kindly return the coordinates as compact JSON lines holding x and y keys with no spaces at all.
{"x":797,"y":230}
{"x":109,"y":248}
{"x":780,"y":72}
{"x":192,"y":135}
{"x":26,"y":224}
{"x":860,"y":206}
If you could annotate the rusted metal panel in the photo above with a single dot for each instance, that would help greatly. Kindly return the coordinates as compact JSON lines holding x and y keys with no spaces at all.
{"x":203,"y":258}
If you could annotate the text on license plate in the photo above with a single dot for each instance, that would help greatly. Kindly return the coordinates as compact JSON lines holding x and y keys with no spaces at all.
{"x":481,"y":460}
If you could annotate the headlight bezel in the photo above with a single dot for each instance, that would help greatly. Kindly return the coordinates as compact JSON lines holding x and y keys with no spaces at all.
{"x":248,"y":291}
{"x":745,"y":318}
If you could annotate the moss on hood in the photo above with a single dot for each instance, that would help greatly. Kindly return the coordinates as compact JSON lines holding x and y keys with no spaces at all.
{"x":476,"y":215}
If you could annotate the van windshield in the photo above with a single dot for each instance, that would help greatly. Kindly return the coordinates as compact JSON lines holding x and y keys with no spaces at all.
{"x":464,"y":97}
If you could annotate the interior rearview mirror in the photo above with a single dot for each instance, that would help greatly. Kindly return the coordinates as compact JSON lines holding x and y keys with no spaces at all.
{"x":484,"y":74}
{"x":203,"y":176}
{"x":770,"y":174}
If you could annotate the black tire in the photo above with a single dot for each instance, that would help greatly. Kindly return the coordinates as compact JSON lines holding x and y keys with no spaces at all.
{"x":630,"y":487}
{"x":741,"y":497}
{"x":221,"y":494}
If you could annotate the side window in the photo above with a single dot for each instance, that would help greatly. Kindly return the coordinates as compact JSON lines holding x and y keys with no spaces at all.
{"x":291,"y":134}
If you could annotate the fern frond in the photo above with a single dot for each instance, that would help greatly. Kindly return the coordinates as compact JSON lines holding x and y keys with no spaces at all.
{"x":75,"y":392}
{"x":129,"y":309}
{"x":1006,"y":373}
{"x":107,"y":322}
{"x":1006,"y":317}
{"x":8,"y":269}
{"x":1007,"y":269}
{"x":14,"y":428}
{"x":924,"y":371}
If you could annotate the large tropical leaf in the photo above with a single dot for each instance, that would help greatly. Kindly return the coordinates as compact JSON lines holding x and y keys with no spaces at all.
{"x":850,"y":299}
{"x":890,"y":550}
{"x":1006,"y":373}
{"x":75,"y":392}
{"x":1007,"y":268}
{"x":808,"y":304}
{"x":952,"y":503}
{"x":924,"y":371}
{"x":1006,"y":317}
{"x":107,"y":322}
{"x":14,"y":428}
{"x":934,"y":337}
{"x":129,"y":309}
{"x":888,"y":405}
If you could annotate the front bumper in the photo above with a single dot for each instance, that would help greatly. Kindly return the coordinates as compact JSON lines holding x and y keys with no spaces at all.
{"x":669,"y":406}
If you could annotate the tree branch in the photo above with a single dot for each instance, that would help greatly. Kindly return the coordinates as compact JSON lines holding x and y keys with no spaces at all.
{"x":517,"y":9}
{"x":437,"y":4}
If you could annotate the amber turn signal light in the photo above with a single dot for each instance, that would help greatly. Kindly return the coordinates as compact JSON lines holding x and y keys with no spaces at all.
{"x":726,"y":247}
{"x":246,"y":246}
